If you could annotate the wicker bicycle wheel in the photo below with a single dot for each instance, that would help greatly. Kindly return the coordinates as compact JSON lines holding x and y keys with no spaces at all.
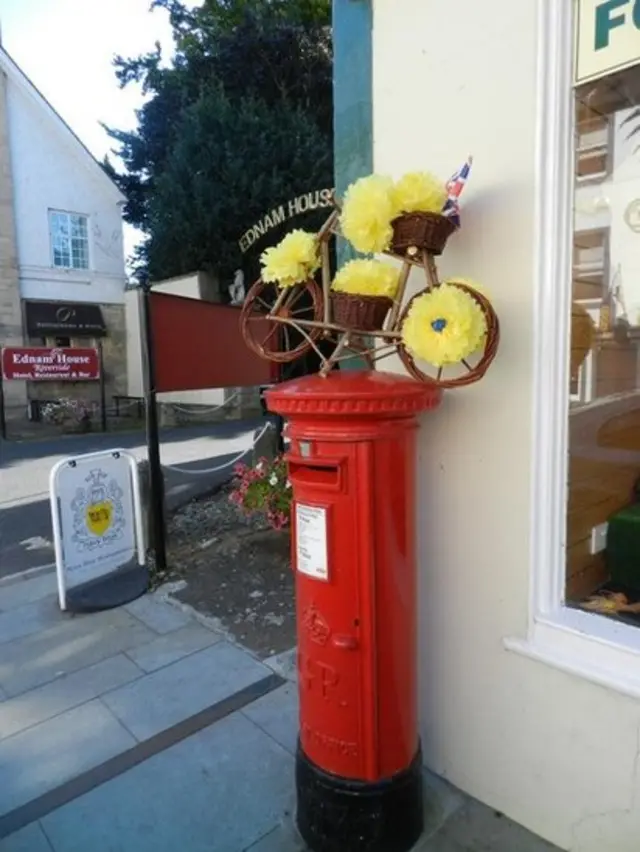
{"x":281,"y":342}
{"x":474,"y":373}
{"x":425,"y":231}
{"x":360,"y":313}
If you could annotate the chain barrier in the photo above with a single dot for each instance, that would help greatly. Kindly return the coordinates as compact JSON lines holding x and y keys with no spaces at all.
{"x":220,"y":467}
{"x":204,"y":412}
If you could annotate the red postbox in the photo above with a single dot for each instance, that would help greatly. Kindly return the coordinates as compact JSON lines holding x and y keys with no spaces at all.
{"x":352,"y":467}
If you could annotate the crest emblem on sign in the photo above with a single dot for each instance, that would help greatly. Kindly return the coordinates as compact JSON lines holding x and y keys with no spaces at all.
{"x":98,"y":512}
{"x":99,"y":516}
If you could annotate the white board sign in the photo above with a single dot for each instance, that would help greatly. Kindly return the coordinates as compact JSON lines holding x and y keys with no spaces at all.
{"x":311,"y":541}
{"x":608,"y":37}
{"x":96,"y":516}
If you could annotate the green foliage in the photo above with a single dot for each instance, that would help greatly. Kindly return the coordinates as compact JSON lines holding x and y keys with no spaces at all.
{"x":231,"y":162}
{"x":215,"y":146}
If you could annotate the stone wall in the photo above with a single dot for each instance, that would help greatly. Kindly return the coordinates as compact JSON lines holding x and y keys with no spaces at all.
{"x":10,"y":308}
{"x":114,"y":350}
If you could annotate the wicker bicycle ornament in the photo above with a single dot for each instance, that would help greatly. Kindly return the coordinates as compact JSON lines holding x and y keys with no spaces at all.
{"x":283,"y":323}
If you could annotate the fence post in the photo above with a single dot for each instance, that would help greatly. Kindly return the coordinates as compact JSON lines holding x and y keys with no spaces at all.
{"x":3,"y":414}
{"x":103,"y":389}
{"x":156,"y":482}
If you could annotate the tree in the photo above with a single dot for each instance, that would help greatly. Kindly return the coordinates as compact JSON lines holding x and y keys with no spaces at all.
{"x":231,"y":163}
{"x":271,"y":58}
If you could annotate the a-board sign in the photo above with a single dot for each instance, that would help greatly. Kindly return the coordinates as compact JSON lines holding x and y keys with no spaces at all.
{"x":311,"y":541}
{"x":42,"y":363}
{"x":97,"y":518}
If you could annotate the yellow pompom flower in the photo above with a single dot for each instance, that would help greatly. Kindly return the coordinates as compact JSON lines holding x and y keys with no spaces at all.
{"x":444,"y":326}
{"x":419,"y":192}
{"x":292,"y":261}
{"x":468,"y":282}
{"x":367,"y":278}
{"x":367,"y":213}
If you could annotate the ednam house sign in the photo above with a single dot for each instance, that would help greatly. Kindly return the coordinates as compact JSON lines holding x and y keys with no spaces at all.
{"x":38,"y":364}
{"x":608,"y":37}
{"x":304,"y":203}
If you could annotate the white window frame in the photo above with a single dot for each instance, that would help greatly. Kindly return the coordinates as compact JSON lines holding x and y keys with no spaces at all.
{"x":581,"y":643}
{"x":55,"y":212}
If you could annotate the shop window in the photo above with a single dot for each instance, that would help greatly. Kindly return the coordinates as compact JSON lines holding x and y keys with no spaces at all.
{"x":603,"y":507}
{"x":69,"y":240}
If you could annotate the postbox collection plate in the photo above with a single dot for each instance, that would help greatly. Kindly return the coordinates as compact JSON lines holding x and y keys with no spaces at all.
{"x":311,"y":541}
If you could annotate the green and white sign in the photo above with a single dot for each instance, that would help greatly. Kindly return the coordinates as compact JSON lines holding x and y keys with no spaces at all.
{"x":608,"y":37}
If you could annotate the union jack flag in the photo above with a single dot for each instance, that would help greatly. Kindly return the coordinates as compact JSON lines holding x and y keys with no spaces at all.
{"x":455,"y":185}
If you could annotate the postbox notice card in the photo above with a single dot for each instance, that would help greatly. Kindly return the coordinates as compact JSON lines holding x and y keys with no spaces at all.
{"x":311,"y":541}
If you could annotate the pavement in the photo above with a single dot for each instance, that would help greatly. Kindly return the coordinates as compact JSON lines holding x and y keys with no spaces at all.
{"x":25,"y":520}
{"x":142,"y":729}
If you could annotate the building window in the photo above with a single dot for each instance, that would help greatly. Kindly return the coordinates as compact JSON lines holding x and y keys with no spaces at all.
{"x":593,"y":141}
{"x":69,"y":240}
{"x":603,"y":506}
{"x":591,"y":264}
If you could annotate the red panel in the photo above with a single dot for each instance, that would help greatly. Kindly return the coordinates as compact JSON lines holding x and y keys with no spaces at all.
{"x":41,"y":364}
{"x":198,"y":345}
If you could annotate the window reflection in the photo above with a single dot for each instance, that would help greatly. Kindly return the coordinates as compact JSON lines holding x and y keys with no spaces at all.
{"x":603,"y":523}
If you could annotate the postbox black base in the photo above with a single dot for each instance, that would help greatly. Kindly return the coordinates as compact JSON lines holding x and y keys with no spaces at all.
{"x":340,"y":815}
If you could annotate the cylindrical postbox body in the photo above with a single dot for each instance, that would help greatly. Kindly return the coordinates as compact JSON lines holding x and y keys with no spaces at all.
{"x":352,"y":468}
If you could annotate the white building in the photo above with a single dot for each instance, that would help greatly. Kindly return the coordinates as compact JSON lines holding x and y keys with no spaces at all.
{"x":528,"y":704}
{"x":62,"y":267}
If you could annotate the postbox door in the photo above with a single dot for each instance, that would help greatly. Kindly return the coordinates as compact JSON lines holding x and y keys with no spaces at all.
{"x":334,"y":662}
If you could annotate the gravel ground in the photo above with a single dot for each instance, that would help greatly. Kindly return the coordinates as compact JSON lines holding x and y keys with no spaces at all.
{"x":237,"y":570}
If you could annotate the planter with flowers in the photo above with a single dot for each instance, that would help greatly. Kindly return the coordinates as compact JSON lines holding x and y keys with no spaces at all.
{"x":446,"y":334}
{"x":362,"y":294}
{"x":264,"y":490}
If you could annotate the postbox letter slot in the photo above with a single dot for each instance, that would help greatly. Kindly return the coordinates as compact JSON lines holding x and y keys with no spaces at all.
{"x":323,"y":475}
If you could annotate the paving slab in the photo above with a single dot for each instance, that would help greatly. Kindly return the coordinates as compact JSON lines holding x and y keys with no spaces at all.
{"x":23,"y":592}
{"x":173,"y":646}
{"x":29,"y":839}
{"x":71,"y":645}
{"x":158,"y":615}
{"x":64,"y":693}
{"x":277,"y":714}
{"x":478,"y":828}
{"x":218,"y":791}
{"x":43,"y":757}
{"x":30,"y":618}
{"x":169,"y":695}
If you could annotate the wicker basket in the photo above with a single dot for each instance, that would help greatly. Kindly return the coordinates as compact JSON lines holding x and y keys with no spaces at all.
{"x":361,"y":313}
{"x":426,"y":231}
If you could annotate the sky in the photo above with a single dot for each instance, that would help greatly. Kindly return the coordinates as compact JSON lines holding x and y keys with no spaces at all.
{"x":66,"y":48}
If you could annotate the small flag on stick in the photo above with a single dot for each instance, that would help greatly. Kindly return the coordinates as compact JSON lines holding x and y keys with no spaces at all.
{"x":455,"y":185}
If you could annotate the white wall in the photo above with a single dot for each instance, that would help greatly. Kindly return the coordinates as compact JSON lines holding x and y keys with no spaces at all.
{"x":52,"y":171}
{"x":552,"y":751}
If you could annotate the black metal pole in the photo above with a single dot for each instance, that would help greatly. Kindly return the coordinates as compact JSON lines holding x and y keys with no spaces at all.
{"x":156,"y":482}
{"x":103,"y":389}
{"x":3,"y":415}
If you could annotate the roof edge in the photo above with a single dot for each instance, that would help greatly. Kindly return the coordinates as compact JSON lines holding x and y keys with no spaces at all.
{"x":15,"y":72}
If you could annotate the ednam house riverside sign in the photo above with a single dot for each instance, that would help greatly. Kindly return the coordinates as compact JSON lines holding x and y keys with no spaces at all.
{"x":37,"y":364}
{"x":304,"y":203}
